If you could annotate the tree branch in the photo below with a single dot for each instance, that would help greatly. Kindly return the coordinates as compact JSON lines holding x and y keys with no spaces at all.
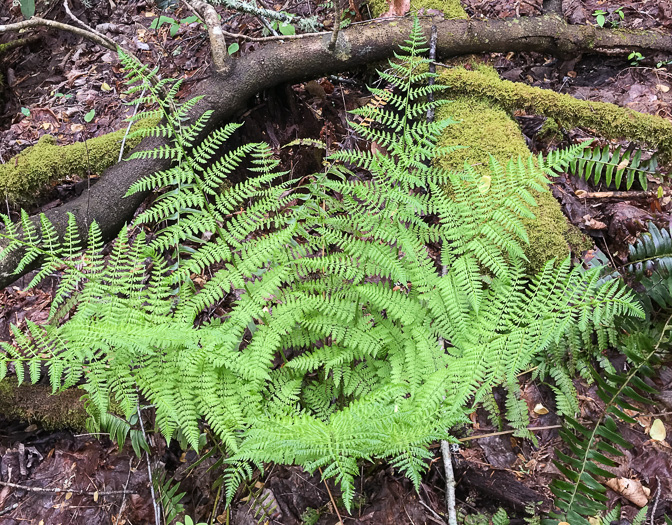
{"x":52,"y":24}
{"x":308,"y":58}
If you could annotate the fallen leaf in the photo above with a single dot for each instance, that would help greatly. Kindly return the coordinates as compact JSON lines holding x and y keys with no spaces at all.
{"x":630,"y":489}
{"x":662,"y":87}
{"x":657,"y":432}
{"x":105,"y":86}
{"x":540,"y":409}
{"x":95,"y":496}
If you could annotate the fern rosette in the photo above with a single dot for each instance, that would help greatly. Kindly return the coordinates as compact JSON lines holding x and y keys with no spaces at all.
{"x":310,"y":323}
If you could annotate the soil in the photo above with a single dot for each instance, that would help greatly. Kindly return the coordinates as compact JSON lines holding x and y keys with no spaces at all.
{"x":77,"y":478}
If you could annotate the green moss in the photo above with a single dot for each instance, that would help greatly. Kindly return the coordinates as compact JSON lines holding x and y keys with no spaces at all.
{"x":34,"y":403}
{"x":28,"y":174}
{"x":450,"y":8}
{"x":608,"y":120}
{"x":485,"y":128}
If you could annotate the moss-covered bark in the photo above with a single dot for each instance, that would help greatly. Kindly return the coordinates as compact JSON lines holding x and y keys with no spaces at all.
{"x":608,"y":120}
{"x":34,"y":403}
{"x":28,"y":174}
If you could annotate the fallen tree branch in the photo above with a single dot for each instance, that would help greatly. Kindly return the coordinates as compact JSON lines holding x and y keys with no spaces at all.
{"x":87,"y":28}
{"x":220,"y":57}
{"x":19,"y":42}
{"x":608,"y":120}
{"x":65,"y":491}
{"x":52,"y":24}
{"x":308,"y":58}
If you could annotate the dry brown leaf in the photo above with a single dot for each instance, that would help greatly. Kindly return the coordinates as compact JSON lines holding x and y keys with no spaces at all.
{"x":630,"y":489}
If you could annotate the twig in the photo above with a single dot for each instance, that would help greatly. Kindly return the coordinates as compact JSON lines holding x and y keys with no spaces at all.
{"x":337,"y":24}
{"x":52,"y":24}
{"x":271,"y":38}
{"x":8,"y":509}
{"x":450,"y":482}
{"x":128,"y":128}
{"x":65,"y":491}
{"x":123,"y":499}
{"x":504,"y":432}
{"x":432,"y":69}
{"x":157,"y":509}
{"x":430,"y":509}
{"x":93,"y":31}
{"x":333,"y":502}
{"x":618,"y":194}
{"x":655,"y":501}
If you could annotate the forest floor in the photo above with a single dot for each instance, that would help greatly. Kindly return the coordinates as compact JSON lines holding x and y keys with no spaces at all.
{"x":52,"y":85}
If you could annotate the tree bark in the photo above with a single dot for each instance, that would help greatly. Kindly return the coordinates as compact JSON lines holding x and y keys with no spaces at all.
{"x":310,"y":57}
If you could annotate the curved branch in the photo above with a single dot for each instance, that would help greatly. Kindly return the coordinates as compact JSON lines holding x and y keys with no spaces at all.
{"x":98,"y":38}
{"x":308,"y":58}
{"x":220,"y":58}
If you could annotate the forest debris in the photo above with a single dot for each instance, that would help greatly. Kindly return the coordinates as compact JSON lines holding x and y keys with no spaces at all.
{"x":657,"y":431}
{"x":630,"y":489}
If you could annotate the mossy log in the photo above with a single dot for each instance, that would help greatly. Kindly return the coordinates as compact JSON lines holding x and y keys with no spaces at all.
{"x":312,"y":56}
{"x":36,"y":404}
{"x":28,"y":174}
{"x":608,"y":120}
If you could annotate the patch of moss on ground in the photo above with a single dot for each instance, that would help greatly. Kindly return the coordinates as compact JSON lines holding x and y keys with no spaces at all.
{"x":35,"y":403}
{"x":24,"y":177}
{"x":486,"y":128}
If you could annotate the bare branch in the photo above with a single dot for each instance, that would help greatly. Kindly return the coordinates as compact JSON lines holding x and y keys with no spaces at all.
{"x":52,"y":24}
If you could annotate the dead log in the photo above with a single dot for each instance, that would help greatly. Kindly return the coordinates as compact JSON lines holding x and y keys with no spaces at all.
{"x":307,"y":58}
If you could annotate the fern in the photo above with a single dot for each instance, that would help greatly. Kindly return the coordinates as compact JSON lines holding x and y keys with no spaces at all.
{"x":306,"y":322}
{"x":582,"y":495}
{"x":600,"y":162}
{"x":650,"y":263}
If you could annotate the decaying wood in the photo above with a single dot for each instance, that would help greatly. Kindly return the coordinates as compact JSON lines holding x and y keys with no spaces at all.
{"x":307,"y":58}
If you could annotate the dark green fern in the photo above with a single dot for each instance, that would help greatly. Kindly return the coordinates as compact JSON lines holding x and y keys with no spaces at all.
{"x":582,"y":494}
{"x":599,"y":163}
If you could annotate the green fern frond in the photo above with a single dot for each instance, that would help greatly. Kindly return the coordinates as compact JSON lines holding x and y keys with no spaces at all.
{"x":600,"y":162}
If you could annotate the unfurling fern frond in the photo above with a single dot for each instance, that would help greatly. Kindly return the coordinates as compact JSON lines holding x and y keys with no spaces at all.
{"x":591,"y":450}
{"x":600,"y":162}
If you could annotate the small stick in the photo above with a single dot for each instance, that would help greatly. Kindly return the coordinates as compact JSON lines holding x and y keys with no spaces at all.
{"x":430,"y":509}
{"x":337,"y":24}
{"x":502,"y":433}
{"x":432,"y":69}
{"x":8,"y":509}
{"x":157,"y":509}
{"x":450,"y":482}
{"x":655,"y":501}
{"x":36,"y":21}
{"x":93,"y":31}
{"x":65,"y":491}
{"x":618,"y":194}
{"x":333,"y":502}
